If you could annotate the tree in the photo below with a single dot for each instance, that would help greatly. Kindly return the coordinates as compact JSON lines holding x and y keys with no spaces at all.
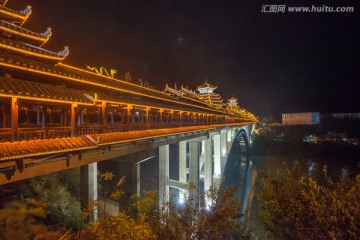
{"x":297,"y":207}
{"x":218,"y":218}
{"x":63,"y":208}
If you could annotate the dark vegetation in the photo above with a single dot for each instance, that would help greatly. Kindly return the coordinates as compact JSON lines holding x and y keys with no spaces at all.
{"x":296,"y":207}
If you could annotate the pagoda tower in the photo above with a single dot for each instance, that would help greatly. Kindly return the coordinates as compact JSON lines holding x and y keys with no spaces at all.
{"x":22,"y":42}
{"x":207,"y":95}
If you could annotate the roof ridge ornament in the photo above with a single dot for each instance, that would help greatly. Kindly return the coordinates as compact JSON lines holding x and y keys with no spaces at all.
{"x":103,"y":71}
{"x":64,"y":52}
{"x":47,"y":33}
{"x":27,"y":11}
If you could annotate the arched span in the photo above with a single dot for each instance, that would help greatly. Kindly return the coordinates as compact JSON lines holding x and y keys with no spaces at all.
{"x":241,"y":141}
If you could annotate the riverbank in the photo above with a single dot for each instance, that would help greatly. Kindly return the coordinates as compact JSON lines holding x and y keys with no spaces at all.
{"x":265,"y":146}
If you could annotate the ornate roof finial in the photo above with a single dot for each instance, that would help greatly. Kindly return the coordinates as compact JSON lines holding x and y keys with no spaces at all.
{"x":47,"y":33}
{"x":26,"y":11}
{"x":64,"y":52}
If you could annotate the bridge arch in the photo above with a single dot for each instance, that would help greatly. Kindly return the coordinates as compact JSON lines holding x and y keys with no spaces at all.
{"x":242,"y":140}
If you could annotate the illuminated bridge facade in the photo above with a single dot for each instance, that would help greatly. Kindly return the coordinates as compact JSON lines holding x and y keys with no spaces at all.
{"x":54,"y":116}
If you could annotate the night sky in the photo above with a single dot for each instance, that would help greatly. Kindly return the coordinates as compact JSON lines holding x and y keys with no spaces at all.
{"x":272,"y":62}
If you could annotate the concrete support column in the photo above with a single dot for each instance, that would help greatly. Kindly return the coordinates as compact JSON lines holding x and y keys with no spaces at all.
{"x":131,"y":171}
{"x":182,"y":161}
{"x":182,"y":169}
{"x":194,"y":171}
{"x":223,"y":149}
{"x":208,"y":176}
{"x":229,"y":140}
{"x":88,"y":186}
{"x":217,"y":156}
{"x":163,"y":174}
{"x":14,"y":119}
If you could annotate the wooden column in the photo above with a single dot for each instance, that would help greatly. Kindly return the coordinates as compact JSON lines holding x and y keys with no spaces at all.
{"x":43,"y":117}
{"x":128,"y":114}
{"x":14,"y":120}
{"x":103,"y":114}
{"x":72,"y":119}
{"x":38,"y":115}
{"x":147,"y":116}
{"x":161,"y":116}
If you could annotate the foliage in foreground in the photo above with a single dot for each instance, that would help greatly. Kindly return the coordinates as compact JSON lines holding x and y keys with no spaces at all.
{"x":20,"y":222}
{"x":221,"y":219}
{"x":296,"y":207}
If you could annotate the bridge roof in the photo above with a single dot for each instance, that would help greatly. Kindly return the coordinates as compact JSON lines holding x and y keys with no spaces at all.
{"x":86,"y":80}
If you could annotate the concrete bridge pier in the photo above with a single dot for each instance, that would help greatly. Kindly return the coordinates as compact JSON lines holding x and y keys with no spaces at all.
{"x":182,"y":170}
{"x":163,"y":174}
{"x":217,"y":158}
{"x":194,"y":170}
{"x":229,"y":139}
{"x":88,"y":186}
{"x":224,"y":149}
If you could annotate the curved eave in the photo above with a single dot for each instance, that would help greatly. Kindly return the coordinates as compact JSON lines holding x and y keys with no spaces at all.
{"x":22,"y":34}
{"x":29,"y":51}
{"x":12,"y":16}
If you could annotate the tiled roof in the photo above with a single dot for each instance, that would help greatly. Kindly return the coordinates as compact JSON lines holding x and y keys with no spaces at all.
{"x":11,"y":15}
{"x":207,"y":85}
{"x":31,"y":51}
{"x":13,"y":150}
{"x":32,"y":37}
{"x":89,"y":79}
{"x":21,"y":88}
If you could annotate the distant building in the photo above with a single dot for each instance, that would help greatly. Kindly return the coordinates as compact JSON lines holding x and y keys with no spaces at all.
{"x":306,"y":118}
{"x":346,"y":115}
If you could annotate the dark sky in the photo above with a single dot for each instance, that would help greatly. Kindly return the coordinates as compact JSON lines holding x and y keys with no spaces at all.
{"x":272,"y":62}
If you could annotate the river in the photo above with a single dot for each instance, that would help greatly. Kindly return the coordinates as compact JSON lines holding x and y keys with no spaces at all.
{"x":243,"y":169}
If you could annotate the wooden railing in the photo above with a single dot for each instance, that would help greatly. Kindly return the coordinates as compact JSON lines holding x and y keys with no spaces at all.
{"x":44,"y":133}
{"x":35,"y":133}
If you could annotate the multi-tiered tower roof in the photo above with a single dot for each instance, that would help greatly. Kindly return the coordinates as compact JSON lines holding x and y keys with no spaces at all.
{"x":207,"y":95}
